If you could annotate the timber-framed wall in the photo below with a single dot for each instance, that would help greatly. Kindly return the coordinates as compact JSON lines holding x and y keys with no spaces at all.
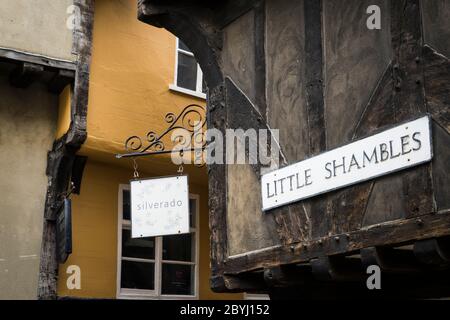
{"x":61,"y":158}
{"x":329,"y":61}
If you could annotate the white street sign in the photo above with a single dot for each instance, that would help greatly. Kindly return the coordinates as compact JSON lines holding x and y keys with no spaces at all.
{"x":159,"y":206}
{"x":395,"y":149}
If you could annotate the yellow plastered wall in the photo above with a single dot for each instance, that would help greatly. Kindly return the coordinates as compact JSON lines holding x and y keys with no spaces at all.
{"x":131,"y":69}
{"x":94,"y":227}
{"x":94,"y":233}
{"x":64,"y":112}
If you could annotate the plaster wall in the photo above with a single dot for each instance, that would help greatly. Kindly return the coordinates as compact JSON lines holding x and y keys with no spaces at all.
{"x":27,"y":130}
{"x":37,"y":27}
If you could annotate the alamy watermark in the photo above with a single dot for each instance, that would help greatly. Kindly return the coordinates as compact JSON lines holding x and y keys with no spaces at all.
{"x":234,"y":146}
{"x":74,"y":279}
{"x":74,"y":19}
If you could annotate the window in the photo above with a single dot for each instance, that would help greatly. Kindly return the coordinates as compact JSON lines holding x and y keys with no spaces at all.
{"x":156,"y":267}
{"x":188,"y":74}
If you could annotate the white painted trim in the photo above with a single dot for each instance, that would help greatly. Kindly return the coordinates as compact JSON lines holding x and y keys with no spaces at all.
{"x":119,"y":236}
{"x":188,"y":53}
{"x":196,"y":197}
{"x":186,"y":263}
{"x":199,"y":77}
{"x":158,"y":261}
{"x":200,"y":95}
{"x":175,"y":77}
{"x":256,"y":296}
{"x":138,"y":260}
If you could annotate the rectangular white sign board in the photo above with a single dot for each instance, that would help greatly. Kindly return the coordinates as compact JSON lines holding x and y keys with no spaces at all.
{"x":159,"y":206}
{"x":395,"y":149}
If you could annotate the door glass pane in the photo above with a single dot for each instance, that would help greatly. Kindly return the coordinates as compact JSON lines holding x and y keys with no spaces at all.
{"x":187,"y":72}
{"x":179,"y":247}
{"x":182,"y":46}
{"x":137,"y":275}
{"x":143,"y":248}
{"x":177,"y":279}
{"x":126,"y":207}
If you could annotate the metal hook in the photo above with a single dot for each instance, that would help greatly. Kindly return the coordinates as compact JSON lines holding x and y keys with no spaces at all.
{"x":67,"y":193}
{"x":135,"y":167}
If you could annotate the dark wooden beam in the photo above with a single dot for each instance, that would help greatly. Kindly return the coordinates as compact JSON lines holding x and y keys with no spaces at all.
{"x":20,"y":56}
{"x":288,"y":275}
{"x":248,"y":282}
{"x":315,"y":105}
{"x":232,"y":10}
{"x":60,"y":80}
{"x":217,"y":186}
{"x":386,"y":234}
{"x":337,"y":268}
{"x":434,"y":251}
{"x":393,"y":287}
{"x":25,"y":74}
{"x":251,"y":282}
{"x":409,"y":96}
{"x":314,"y":76}
{"x":62,"y":156}
{"x":77,"y":172}
{"x":390,"y":259}
{"x":260,"y":57}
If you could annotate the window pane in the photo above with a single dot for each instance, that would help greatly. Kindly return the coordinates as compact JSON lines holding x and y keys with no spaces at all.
{"x":192,"y":211}
{"x":177,"y":279}
{"x":137,"y":275}
{"x":182,"y":46}
{"x":143,"y":248}
{"x":179,"y":247}
{"x":126,"y":207}
{"x":187,"y":72}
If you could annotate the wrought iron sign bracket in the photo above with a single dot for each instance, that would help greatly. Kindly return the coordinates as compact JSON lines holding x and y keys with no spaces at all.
{"x":188,"y":129}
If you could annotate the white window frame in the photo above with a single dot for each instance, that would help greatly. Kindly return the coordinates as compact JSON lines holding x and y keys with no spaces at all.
{"x":158,"y":261}
{"x":256,"y":296}
{"x":199,"y":86}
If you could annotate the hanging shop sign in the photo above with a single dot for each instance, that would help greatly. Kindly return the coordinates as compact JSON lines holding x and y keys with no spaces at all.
{"x":159,"y":206}
{"x":64,"y":231}
{"x":398,"y":148}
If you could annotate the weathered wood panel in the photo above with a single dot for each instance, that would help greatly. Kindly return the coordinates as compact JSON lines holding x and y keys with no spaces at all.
{"x":441,"y":167}
{"x":355,"y":59}
{"x":287,"y":106}
{"x":356,"y":89}
{"x":285,"y":76}
{"x":238,"y":57}
{"x":437,"y":86}
{"x":386,"y":202}
{"x":329,"y":80}
{"x":247,"y":227}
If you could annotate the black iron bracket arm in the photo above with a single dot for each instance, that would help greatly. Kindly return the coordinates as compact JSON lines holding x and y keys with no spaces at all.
{"x":188,"y":129}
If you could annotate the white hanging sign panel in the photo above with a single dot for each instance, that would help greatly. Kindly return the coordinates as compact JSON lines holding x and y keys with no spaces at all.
{"x":159,"y":206}
{"x":398,"y":148}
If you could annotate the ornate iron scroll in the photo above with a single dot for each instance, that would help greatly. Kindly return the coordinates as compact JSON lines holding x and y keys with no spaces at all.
{"x":189,"y":124}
